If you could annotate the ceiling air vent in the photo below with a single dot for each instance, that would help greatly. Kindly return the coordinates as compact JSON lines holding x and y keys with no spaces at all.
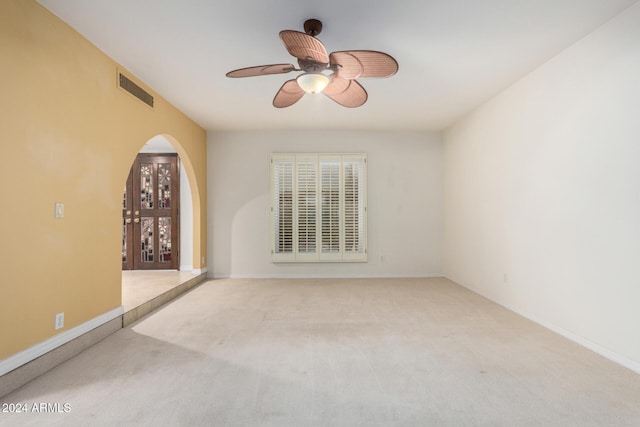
{"x":135,"y":90}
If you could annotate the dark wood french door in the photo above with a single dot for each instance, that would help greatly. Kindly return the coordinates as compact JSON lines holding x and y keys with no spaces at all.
{"x":150,"y":214}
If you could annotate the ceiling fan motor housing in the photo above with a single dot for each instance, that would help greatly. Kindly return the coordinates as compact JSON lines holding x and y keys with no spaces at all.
{"x":311,"y":66}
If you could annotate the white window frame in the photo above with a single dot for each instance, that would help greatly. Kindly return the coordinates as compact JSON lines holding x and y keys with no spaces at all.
{"x":305,"y":170}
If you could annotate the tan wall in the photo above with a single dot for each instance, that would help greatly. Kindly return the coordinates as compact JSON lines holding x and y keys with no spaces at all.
{"x":69,"y":134}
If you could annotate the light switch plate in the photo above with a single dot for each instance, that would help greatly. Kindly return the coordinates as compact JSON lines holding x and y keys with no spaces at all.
{"x":59,"y":210}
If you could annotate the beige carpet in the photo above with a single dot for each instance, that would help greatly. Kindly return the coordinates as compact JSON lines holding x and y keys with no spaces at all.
{"x":397,"y":352}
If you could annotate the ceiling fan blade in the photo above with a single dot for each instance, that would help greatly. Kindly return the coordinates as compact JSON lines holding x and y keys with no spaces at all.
{"x":304,"y":46}
{"x":363,"y":63}
{"x":348,"y":93}
{"x":261,"y":70}
{"x":289,"y":94}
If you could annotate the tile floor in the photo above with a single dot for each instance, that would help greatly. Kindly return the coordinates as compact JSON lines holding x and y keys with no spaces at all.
{"x":141,"y":286}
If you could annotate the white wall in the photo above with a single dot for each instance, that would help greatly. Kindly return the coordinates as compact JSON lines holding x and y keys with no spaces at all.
{"x":186,"y":223}
{"x":542,"y":193}
{"x":404,"y":202}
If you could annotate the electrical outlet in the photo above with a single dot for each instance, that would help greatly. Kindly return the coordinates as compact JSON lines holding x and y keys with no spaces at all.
{"x":59,"y":321}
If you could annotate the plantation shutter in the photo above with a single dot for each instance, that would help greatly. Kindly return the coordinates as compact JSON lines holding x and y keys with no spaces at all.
{"x":282,"y":209}
{"x":354,"y":208}
{"x":330,"y":207}
{"x":307,"y":202}
{"x":319,"y":209}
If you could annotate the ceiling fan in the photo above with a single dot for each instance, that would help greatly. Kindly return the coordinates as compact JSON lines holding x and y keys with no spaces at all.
{"x":333,"y":74}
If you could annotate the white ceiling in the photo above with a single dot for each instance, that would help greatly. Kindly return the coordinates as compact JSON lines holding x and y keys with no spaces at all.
{"x":453,"y":54}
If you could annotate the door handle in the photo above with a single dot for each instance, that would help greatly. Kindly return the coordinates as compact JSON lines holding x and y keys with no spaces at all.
{"x":128,"y":220}
{"x":137,"y":220}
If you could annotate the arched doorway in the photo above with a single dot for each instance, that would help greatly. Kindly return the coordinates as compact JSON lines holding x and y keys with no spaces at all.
{"x":144,"y":284}
{"x":158,"y":240}
{"x":151,"y":213}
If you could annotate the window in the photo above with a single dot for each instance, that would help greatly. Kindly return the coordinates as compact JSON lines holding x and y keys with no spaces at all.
{"x":318,"y":207}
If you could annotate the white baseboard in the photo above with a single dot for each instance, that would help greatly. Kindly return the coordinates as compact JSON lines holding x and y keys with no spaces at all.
{"x":597,"y":348}
{"x":578,"y":339}
{"x":32,"y":353}
{"x":324,"y":276}
{"x":196,"y":271}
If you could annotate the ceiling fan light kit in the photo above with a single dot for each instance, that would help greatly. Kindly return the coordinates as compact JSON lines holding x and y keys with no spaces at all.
{"x":313,"y":82}
{"x":344,"y":68}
